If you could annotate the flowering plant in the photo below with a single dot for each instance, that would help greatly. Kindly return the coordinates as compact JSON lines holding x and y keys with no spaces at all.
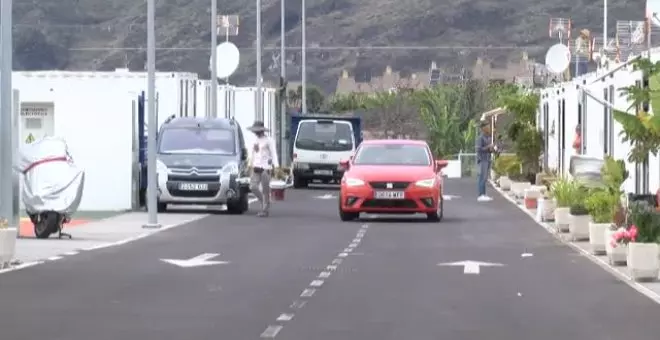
{"x":624,"y":236}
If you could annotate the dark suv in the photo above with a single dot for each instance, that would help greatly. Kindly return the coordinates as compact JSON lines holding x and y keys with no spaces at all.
{"x":200,"y":162}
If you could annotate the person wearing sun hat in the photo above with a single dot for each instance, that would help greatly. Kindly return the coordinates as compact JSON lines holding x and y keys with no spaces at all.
{"x":263,"y":162}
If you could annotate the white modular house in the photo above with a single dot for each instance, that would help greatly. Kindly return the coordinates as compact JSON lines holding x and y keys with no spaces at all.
{"x":582,"y":104}
{"x":96,"y":113}
{"x":239,"y":103}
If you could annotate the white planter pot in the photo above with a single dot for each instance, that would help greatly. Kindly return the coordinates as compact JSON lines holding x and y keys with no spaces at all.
{"x":548,"y":211}
{"x":562,"y":218}
{"x":532,"y":192}
{"x":578,"y":227}
{"x":518,"y":189}
{"x":7,"y":246}
{"x":643,"y":261}
{"x":505,"y":183}
{"x":615,"y":254}
{"x":597,"y":237}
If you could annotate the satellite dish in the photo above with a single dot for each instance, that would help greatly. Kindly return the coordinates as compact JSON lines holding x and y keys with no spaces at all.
{"x":653,"y":11}
{"x":228,"y":56}
{"x":558,"y":58}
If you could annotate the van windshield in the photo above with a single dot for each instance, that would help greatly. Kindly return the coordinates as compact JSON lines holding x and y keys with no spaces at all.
{"x":324,"y":136}
{"x":195,"y":140}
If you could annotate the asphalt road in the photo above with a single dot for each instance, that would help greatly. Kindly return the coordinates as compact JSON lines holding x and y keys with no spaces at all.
{"x":383,"y":282}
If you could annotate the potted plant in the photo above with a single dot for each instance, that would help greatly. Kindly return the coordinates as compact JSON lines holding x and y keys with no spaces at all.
{"x":522,"y":130}
{"x":616,"y":247}
{"x":642,"y":258}
{"x":547,"y":205}
{"x":563,"y":191}
{"x":578,"y":225}
{"x":602,"y":206}
{"x":7,"y":243}
{"x":502,"y":166}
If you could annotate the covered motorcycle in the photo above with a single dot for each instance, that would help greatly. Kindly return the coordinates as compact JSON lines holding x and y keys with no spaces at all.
{"x":52,"y":184}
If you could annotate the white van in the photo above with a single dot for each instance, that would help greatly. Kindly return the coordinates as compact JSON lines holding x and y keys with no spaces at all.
{"x":319,"y":146}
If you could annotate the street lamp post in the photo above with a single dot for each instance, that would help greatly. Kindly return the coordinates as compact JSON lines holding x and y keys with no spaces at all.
{"x":214,"y":59}
{"x":152,"y":183}
{"x":304,"y":57}
{"x":7,"y":130}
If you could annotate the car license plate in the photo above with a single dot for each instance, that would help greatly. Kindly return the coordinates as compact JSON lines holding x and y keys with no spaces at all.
{"x":193,"y":187}
{"x":323,"y":172}
{"x":390,"y":195}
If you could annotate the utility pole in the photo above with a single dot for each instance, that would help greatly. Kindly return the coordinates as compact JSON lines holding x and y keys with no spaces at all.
{"x":304,"y":58}
{"x":283,"y":85}
{"x":7,"y":126}
{"x":259,"y":97}
{"x":152,"y":183}
{"x":214,"y":59}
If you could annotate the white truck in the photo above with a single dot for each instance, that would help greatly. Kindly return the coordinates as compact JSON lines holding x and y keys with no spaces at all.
{"x":319,"y":144}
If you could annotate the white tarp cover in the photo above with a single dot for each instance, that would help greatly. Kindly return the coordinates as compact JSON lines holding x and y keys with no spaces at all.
{"x":51,"y":181}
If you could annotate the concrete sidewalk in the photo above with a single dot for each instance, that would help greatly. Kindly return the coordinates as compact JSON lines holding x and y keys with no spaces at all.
{"x":96,"y":234}
{"x":650,"y":289}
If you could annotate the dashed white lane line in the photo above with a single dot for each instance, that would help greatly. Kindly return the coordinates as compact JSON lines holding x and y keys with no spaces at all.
{"x":272,"y":330}
{"x":308,"y":293}
{"x":298,"y":304}
{"x":285,"y":317}
{"x":54,"y":258}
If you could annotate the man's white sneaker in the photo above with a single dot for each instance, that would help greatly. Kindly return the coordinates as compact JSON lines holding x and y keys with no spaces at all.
{"x":484,"y":199}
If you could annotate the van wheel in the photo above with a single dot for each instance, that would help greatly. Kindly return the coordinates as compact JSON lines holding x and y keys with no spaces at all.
{"x":161,"y":207}
{"x":239,"y":206}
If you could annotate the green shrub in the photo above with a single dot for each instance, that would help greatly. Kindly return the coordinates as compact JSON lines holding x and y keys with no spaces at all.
{"x":503,"y":162}
{"x":602,"y":205}
{"x":564,"y":192}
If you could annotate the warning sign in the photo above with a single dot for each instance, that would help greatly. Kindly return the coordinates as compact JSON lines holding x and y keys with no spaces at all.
{"x":30,"y":139}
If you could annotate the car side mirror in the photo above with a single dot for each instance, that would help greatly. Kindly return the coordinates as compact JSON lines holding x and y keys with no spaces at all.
{"x":244,"y":153}
{"x":345,"y":164}
{"x":440,"y":164}
{"x":350,"y":158}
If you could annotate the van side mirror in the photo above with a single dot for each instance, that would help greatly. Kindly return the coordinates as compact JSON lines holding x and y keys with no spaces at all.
{"x":244,"y":154}
{"x":440,"y":164}
{"x":345,"y":164}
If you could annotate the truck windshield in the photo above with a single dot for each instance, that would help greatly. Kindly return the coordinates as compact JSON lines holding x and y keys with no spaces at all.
{"x":196,"y":140}
{"x":322,"y":136}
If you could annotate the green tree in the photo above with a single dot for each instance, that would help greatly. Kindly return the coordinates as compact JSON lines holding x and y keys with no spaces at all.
{"x":642,"y":128}
{"x":315,"y":98}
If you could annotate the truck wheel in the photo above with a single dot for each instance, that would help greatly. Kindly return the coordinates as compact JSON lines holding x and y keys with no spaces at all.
{"x":299,"y":183}
{"x":239,"y":206}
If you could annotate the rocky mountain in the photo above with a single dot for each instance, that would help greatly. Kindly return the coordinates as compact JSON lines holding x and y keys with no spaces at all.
{"x":107,"y":34}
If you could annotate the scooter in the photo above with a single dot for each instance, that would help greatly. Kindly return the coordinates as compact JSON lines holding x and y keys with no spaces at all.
{"x":50,"y":222}
{"x":52,"y":185}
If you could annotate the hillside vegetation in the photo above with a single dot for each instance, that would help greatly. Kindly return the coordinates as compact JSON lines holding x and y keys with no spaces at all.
{"x":47,"y":33}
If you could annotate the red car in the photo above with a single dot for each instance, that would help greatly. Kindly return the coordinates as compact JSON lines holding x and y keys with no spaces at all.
{"x":392,"y":176}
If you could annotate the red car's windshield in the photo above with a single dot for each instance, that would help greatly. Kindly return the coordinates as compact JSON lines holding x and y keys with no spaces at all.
{"x":393,"y":154}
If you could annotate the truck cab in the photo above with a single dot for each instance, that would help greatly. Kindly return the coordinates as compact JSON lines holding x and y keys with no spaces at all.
{"x":319,"y":146}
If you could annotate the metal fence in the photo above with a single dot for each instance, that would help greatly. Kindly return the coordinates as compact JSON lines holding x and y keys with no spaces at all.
{"x":469,"y":163}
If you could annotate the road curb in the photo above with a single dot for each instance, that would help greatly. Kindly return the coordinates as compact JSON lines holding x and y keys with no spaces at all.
{"x":655,"y":297}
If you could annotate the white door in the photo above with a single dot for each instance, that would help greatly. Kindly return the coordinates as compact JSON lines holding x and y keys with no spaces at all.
{"x":37,"y":121}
